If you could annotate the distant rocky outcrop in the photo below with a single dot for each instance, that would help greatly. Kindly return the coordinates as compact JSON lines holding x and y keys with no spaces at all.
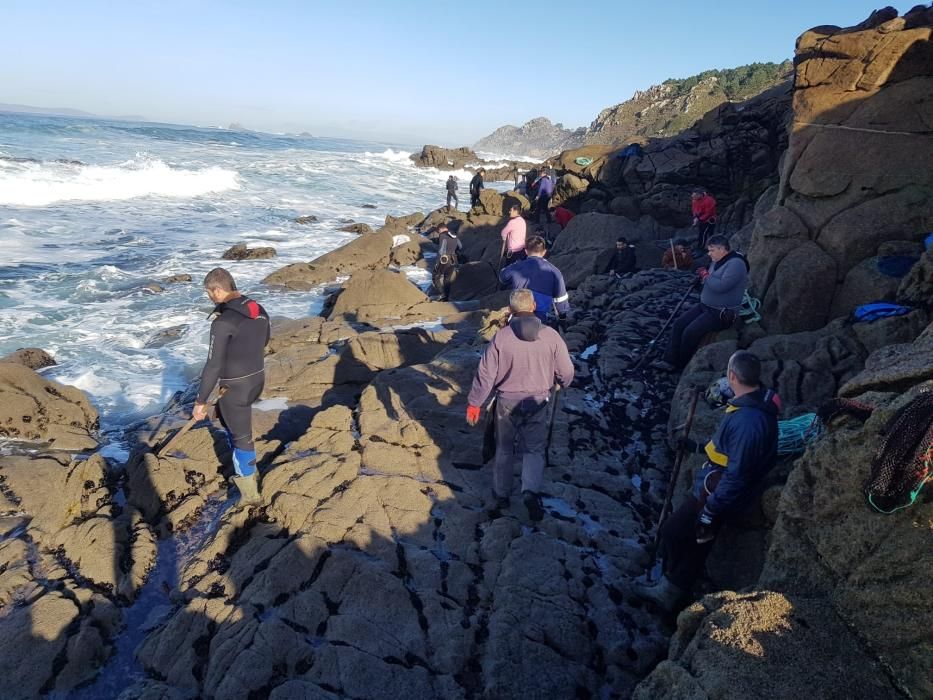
{"x":660,"y":110}
{"x":537,"y":138}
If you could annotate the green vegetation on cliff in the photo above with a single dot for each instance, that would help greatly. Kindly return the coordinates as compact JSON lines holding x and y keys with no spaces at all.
{"x":735,"y":83}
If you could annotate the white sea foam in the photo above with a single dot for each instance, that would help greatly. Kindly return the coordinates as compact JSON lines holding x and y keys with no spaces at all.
{"x":390,"y":155}
{"x":41,"y":184}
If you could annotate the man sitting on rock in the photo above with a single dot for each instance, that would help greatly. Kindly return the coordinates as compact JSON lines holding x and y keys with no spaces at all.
{"x":622,"y":261}
{"x":720,"y":301}
{"x":235,"y":358}
{"x":519,"y":366}
{"x":448,"y":249}
{"x":543,"y":279}
{"x":742,"y":451}
{"x":513,"y":235}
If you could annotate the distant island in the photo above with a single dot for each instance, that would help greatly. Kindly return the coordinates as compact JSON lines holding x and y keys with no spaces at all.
{"x":661,"y":110}
{"x":67,"y":112}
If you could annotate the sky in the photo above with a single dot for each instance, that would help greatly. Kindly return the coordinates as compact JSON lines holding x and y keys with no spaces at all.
{"x":409,"y":71}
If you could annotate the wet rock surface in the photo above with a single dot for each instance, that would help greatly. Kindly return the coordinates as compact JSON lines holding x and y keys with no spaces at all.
{"x":239,"y":251}
{"x":35,"y":410}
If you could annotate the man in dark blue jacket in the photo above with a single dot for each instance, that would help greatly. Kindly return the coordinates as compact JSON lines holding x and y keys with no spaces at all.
{"x":742,"y":451}
{"x":543,"y":279}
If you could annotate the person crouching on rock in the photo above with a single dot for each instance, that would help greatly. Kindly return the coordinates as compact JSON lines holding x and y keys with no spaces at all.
{"x":720,"y":302}
{"x":519,"y":366}
{"x":739,"y":455}
{"x":452,"y":192}
{"x":239,"y":334}
{"x":677,"y":257}
{"x":448,"y":247}
{"x":541,"y":277}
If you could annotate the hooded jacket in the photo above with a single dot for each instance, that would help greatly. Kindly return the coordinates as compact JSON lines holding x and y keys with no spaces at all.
{"x":239,"y":334}
{"x":745,"y":445}
{"x":451,"y":185}
{"x":543,"y":279}
{"x":725,"y":286}
{"x":521,"y":361}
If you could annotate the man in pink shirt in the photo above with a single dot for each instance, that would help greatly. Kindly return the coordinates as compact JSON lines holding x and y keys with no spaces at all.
{"x":513,"y":236}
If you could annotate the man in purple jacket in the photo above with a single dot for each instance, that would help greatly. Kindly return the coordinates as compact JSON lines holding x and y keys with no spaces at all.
{"x":543,"y":200}
{"x":520,"y":366}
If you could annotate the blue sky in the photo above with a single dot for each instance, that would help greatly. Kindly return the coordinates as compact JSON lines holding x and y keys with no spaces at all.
{"x":410,"y":71}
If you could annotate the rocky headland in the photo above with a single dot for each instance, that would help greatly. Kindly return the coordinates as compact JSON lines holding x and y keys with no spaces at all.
{"x":660,"y":110}
{"x":376,"y":566}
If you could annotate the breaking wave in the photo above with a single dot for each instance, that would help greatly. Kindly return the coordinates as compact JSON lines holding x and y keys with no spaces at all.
{"x":39,"y":184}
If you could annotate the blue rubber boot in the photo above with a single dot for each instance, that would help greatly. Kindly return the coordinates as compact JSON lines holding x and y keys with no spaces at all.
{"x":244,"y":462}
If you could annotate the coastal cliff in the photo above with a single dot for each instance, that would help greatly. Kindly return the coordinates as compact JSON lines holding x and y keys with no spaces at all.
{"x":377,"y":565}
{"x":660,"y":110}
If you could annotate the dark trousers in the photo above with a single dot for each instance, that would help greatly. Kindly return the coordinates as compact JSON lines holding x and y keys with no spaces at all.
{"x":235,"y":409}
{"x":683,"y":559}
{"x":474,"y":199}
{"x":513,"y":256}
{"x":705,"y":229}
{"x":441,"y":278}
{"x":521,"y":433}
{"x":689,"y":329}
{"x":451,"y":195}
{"x":541,"y":209}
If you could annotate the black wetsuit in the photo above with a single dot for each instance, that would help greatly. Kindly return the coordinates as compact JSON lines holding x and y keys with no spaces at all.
{"x":448,"y":255}
{"x":239,"y":335}
{"x":476,"y":186}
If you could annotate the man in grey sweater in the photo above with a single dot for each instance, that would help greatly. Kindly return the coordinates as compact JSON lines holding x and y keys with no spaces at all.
{"x":720,"y":301}
{"x":520,"y":365}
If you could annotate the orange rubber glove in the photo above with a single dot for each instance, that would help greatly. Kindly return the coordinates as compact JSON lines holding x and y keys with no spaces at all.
{"x":472,"y":416}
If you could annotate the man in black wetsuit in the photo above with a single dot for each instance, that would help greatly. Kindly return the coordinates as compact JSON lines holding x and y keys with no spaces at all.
{"x":476,"y":186}
{"x":239,"y":334}
{"x":448,"y":257}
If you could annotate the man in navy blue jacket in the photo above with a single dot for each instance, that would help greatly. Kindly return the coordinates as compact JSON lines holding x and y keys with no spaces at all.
{"x":742,"y":451}
{"x":543,"y":279}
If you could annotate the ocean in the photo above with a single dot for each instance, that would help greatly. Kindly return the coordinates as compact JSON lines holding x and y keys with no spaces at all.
{"x":93,"y":210}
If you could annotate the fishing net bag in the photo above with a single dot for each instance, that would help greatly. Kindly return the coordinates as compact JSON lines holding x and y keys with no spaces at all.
{"x":903,"y":462}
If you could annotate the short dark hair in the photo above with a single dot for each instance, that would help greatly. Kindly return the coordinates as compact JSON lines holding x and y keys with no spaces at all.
{"x":622,"y":239}
{"x":699,"y":191}
{"x":516,"y":207}
{"x":441,"y":227}
{"x":720,"y":241}
{"x":746,"y":366}
{"x":219,"y":278}
{"x":535,"y":244}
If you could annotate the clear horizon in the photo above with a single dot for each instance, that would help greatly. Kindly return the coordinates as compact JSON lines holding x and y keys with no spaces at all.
{"x":421,"y":73}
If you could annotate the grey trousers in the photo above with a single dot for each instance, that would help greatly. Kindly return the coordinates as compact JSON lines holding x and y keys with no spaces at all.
{"x":521,"y":431}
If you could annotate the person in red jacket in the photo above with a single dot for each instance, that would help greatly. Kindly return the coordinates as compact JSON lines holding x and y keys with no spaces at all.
{"x":563,"y":215}
{"x":704,"y":216}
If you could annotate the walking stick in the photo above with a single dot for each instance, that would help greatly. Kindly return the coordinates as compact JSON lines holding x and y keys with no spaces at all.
{"x":650,"y":346}
{"x":674,"y":255}
{"x":190,"y":424}
{"x":555,"y":404}
{"x":675,"y":472}
{"x":501,"y":256}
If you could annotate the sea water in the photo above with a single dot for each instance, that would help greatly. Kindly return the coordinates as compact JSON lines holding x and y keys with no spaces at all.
{"x":92,"y":211}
